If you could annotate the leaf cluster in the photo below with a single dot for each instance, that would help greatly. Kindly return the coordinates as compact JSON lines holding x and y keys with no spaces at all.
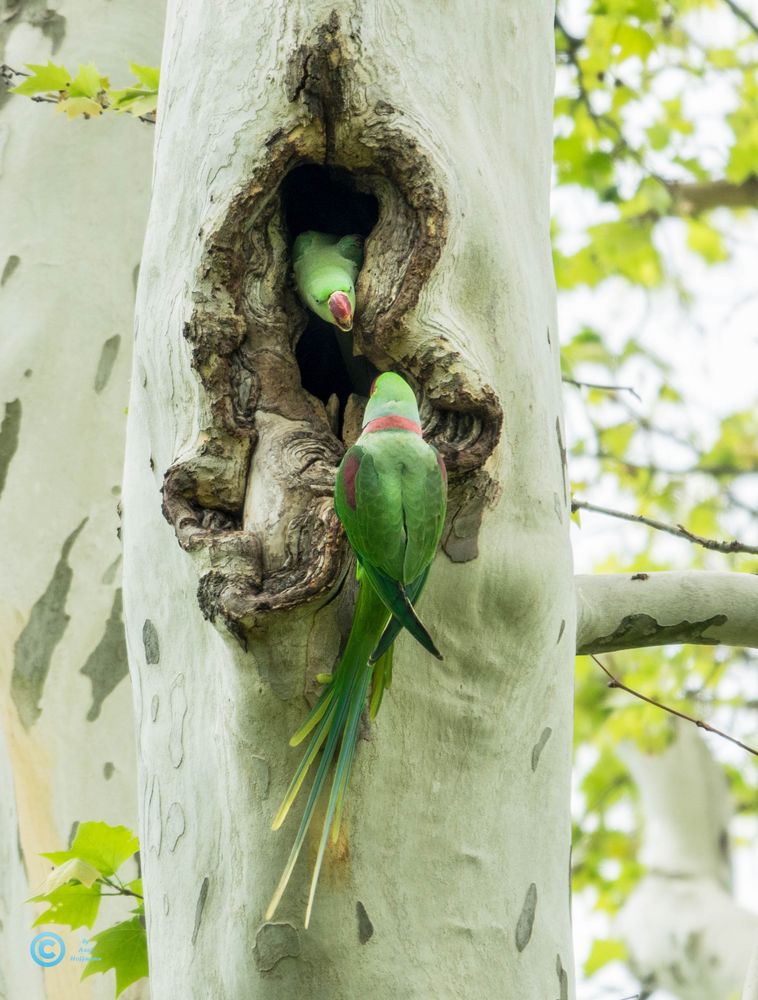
{"x":88,"y":93}
{"x":73,"y":891}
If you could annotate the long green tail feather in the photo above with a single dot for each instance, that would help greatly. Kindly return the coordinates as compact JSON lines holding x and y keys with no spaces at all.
{"x":382,"y":679}
{"x":304,"y":766}
{"x":334,"y":717}
{"x":315,"y":716}
{"x":341,"y":776}
{"x":319,"y":781}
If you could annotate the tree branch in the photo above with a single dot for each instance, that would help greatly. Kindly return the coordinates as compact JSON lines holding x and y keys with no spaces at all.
{"x":742,"y":15}
{"x":630,"y":611}
{"x":693,"y":198}
{"x":605,"y":388}
{"x":677,"y":530}
{"x":614,"y":682}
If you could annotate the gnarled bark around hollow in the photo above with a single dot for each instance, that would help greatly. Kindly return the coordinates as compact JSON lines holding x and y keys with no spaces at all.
{"x":451,"y":877}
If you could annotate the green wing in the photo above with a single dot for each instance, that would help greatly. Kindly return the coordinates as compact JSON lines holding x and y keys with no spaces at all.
{"x":390,"y":497}
{"x":351,"y":247}
{"x":413,"y":590}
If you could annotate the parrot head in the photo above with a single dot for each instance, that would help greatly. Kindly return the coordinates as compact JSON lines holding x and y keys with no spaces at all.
{"x":391,"y":396}
{"x":336,"y":307}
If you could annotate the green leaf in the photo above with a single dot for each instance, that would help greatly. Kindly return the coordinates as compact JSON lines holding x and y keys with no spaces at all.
{"x":72,"y":904}
{"x":88,"y":82}
{"x":616,"y":440}
{"x":44,"y":79}
{"x":134,"y":101}
{"x":104,"y":847}
{"x":632,"y":41}
{"x":148,"y":76}
{"x":605,"y":951}
{"x":122,"y":947}
{"x":705,"y":240}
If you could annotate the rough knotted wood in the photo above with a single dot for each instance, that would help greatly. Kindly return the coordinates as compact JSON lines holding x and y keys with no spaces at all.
{"x":262,"y":433}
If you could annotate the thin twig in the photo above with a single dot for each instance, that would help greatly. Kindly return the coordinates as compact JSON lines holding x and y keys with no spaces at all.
{"x":121,"y":889}
{"x":614,"y":682}
{"x":605,"y":388}
{"x":742,"y":15}
{"x":7,"y":71}
{"x":677,"y":530}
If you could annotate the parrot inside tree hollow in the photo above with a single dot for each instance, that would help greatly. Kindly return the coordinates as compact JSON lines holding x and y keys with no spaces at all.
{"x":390,"y":495}
{"x":326,"y":268}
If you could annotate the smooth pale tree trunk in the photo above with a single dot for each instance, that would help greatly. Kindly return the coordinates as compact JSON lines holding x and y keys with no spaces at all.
{"x":684,"y":931}
{"x":451,"y":879}
{"x":74,"y":203}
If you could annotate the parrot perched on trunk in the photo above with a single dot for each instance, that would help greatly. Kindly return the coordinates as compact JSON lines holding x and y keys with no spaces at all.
{"x":326,"y":268}
{"x":391,"y":495}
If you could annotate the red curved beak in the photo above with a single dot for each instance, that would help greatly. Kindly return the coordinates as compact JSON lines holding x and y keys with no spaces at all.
{"x":340,"y":308}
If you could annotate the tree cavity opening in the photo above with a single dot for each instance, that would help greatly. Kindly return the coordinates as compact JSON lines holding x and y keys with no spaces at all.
{"x":327,"y":200}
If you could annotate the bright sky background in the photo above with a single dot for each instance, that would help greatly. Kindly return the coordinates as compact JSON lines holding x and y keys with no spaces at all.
{"x":713,"y":347}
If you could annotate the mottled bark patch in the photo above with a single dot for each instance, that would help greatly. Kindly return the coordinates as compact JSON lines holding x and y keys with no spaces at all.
{"x":9,"y":430}
{"x":539,"y":746}
{"x":261,"y":776}
{"x":110,"y":573}
{"x":471,"y":496}
{"x":562,"y":452}
{"x":273,"y":942}
{"x":365,"y":927}
{"x":175,"y":825}
{"x":151,"y":643}
{"x":526,"y":918}
{"x":561,"y":630}
{"x":635,"y":631}
{"x":39,"y":15}
{"x":563,"y":981}
{"x":178,"y":703}
{"x":10,"y":266}
{"x":154,"y":706}
{"x":154,"y":817}
{"x":42,"y":633}
{"x":199,"y":907}
{"x":558,"y":508}
{"x":108,"y":354}
{"x":107,"y":664}
{"x":108,"y":768}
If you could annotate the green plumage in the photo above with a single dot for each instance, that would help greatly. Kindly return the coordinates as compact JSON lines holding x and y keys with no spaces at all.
{"x":324,"y":264}
{"x":390,"y":495}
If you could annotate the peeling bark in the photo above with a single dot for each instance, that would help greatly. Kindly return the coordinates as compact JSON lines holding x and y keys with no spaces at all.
{"x":629,"y":611}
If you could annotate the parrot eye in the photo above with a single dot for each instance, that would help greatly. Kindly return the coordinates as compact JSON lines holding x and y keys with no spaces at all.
{"x":373,"y":386}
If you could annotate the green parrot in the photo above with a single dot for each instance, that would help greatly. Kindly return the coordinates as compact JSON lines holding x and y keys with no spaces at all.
{"x":390,"y":495}
{"x":325,"y":269}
